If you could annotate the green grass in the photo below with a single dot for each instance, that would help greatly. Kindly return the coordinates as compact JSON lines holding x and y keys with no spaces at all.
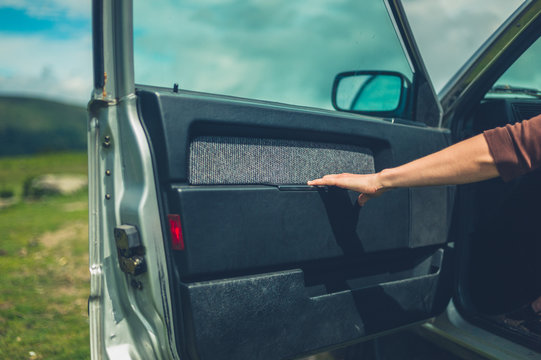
{"x":43,"y":265}
{"x":15,"y":170}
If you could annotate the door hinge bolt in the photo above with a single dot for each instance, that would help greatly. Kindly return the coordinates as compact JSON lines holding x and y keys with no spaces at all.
{"x":130,"y":250}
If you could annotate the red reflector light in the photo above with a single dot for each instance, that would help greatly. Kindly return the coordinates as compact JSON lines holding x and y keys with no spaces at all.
{"x":177,"y":241}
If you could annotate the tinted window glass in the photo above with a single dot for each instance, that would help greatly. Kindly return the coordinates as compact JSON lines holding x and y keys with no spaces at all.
{"x":287,"y":50}
{"x":449,"y":32}
{"x":523,"y":78}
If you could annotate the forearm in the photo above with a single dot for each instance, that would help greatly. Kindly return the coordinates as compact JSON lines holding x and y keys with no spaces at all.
{"x":464,"y":162}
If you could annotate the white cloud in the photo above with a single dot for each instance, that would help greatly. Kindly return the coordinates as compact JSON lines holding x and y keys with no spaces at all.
{"x":56,"y":64}
{"x":51,"y":8}
{"x":291,"y":51}
{"x":34,"y":65}
{"x":449,"y":32}
{"x":288,"y":52}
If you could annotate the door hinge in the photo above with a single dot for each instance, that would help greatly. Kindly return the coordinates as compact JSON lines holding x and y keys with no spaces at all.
{"x":130,"y":250}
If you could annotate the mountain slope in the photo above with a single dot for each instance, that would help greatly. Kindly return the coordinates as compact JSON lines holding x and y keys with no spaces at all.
{"x":29,"y":126}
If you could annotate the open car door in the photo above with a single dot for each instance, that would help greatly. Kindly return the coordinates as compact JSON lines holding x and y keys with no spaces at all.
{"x":206,"y":242}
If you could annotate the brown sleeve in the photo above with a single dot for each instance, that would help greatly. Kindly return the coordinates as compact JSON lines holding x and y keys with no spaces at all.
{"x":516,"y":149}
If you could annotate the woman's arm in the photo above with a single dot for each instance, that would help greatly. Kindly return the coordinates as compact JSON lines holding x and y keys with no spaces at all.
{"x":464,"y":162}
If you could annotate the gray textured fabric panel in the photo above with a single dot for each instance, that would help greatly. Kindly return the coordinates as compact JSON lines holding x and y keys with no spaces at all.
{"x":237,"y":160}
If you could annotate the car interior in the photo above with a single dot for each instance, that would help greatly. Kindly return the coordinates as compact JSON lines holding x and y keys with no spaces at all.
{"x":495,"y":222}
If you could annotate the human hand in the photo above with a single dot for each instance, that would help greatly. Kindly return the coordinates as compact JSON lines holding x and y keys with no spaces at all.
{"x":367,"y":185}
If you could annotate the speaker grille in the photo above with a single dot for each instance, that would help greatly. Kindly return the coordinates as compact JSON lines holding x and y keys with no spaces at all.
{"x":239,"y":160}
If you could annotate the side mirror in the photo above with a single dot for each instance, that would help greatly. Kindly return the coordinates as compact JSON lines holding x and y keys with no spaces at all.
{"x":374,"y":92}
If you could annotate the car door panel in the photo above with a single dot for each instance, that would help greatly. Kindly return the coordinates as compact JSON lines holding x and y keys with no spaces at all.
{"x":269,"y":268}
{"x":275,"y":317}
{"x":273,"y":268}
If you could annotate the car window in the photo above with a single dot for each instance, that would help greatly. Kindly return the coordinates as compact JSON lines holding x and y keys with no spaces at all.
{"x":522,"y":79}
{"x":287,"y":51}
{"x":448,"y":33}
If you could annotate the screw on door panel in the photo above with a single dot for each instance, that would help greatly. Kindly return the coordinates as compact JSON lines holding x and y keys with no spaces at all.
{"x":107,"y":141}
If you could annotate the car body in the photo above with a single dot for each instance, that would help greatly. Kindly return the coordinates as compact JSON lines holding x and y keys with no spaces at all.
{"x":205,"y":242}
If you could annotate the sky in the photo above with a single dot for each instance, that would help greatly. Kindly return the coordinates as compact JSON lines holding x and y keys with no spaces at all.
{"x":46,"y":45}
{"x":46,"y":49}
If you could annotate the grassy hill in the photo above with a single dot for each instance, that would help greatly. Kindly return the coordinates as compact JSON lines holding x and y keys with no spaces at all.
{"x":29,"y":126}
{"x":44,"y":283}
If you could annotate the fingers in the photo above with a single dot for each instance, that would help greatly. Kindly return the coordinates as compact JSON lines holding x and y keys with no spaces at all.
{"x":325,"y":180}
{"x":331,"y":179}
{"x":347,"y":181}
{"x":363,"y":198}
{"x":315,"y":182}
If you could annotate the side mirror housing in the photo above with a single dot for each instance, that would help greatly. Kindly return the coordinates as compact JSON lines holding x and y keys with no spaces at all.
{"x":382,"y":93}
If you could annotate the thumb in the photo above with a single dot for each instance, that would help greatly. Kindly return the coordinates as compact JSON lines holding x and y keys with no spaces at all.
{"x":363,"y":198}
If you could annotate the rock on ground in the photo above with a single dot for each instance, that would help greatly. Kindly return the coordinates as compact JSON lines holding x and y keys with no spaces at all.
{"x":55,"y":185}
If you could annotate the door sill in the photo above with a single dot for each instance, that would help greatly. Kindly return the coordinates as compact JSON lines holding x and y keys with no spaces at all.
{"x":451,"y":331}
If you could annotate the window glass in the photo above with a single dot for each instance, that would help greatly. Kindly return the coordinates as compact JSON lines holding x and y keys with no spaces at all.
{"x":283,"y":50}
{"x":523,"y":78}
{"x":449,"y":32}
